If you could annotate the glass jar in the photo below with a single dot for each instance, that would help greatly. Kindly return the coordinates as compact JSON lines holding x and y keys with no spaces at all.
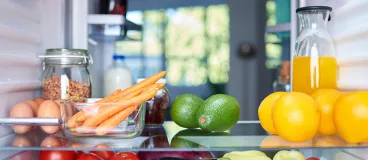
{"x":65,"y":74}
{"x":157,"y":107}
{"x":314,"y":62}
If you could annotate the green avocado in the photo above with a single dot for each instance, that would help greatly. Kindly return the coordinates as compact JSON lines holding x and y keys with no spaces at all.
{"x":219,"y":112}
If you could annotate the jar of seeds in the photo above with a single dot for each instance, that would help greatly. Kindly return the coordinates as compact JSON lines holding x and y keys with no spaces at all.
{"x":65,"y":74}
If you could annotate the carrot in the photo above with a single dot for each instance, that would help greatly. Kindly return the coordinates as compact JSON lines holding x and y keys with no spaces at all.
{"x":131,"y":95}
{"x":160,"y":85}
{"x":115,"y":120}
{"x":72,"y":120}
{"x":83,"y":117}
{"x":150,"y":80}
{"x":112,"y":95}
{"x":110,"y":111}
{"x":80,"y":117}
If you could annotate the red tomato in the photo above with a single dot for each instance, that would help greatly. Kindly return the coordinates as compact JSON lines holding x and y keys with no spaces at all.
{"x":125,"y":156}
{"x":89,"y":156}
{"x":312,"y":158}
{"x":79,"y":153}
{"x":57,"y":155}
{"x":106,"y":155}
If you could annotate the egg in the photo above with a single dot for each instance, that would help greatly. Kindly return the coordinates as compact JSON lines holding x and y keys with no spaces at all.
{"x":21,"y":110}
{"x":58,"y":102}
{"x":49,"y":109}
{"x":21,"y":141}
{"x":34,"y":106}
{"x":38,"y":101}
{"x":51,"y":141}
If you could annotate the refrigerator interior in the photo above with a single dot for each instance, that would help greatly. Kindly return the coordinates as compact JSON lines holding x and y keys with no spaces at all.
{"x":27,"y":28}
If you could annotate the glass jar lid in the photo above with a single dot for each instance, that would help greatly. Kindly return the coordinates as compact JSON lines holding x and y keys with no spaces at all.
{"x":65,"y":56}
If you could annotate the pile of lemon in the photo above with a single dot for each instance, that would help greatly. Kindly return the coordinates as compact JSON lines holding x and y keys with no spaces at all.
{"x":298,"y":117}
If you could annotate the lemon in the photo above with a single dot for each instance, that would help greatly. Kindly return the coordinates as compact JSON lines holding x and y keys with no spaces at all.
{"x":265,"y":111}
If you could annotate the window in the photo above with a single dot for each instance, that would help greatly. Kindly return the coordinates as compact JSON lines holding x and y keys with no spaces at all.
{"x":277,"y":41}
{"x":191,"y":43}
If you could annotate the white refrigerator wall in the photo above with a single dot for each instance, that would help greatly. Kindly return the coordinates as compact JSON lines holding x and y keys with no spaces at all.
{"x":349,"y":31}
{"x":27,"y":28}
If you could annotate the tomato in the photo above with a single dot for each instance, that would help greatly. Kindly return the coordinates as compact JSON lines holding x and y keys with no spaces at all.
{"x":125,"y":156}
{"x":57,"y":155}
{"x":312,"y":158}
{"x":89,"y":156}
{"x":106,"y":155}
{"x":79,"y":153}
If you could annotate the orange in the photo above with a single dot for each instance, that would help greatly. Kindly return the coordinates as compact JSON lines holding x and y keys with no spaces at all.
{"x":296,"y":117}
{"x":326,"y":99}
{"x":265,"y":111}
{"x":351,"y":117}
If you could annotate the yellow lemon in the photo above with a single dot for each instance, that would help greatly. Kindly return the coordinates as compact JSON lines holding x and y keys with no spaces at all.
{"x":326,"y":99}
{"x":265,"y":111}
{"x":351,"y":117}
{"x":296,"y":117}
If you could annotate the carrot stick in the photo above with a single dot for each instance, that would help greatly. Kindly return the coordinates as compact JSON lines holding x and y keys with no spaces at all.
{"x":112,"y":95}
{"x":83,"y":117}
{"x":150,"y":80}
{"x":117,"y":94}
{"x":72,"y":120}
{"x":115,"y":120}
{"x":110,"y":111}
{"x":160,"y":85}
{"x":131,"y":95}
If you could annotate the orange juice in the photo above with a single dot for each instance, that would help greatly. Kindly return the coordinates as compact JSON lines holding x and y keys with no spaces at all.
{"x":310,"y":74}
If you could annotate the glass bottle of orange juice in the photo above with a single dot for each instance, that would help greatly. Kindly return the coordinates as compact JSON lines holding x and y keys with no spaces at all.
{"x":314,"y":63}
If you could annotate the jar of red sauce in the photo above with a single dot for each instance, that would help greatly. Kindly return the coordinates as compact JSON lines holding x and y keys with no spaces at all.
{"x":157,"y":107}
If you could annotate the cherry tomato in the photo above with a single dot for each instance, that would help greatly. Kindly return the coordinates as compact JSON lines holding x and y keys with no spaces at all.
{"x":125,"y":156}
{"x":89,"y":156}
{"x":312,"y":158}
{"x":106,"y":155}
{"x":57,"y":155}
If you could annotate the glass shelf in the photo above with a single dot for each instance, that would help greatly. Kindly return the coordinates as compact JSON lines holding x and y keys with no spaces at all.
{"x":245,"y":135}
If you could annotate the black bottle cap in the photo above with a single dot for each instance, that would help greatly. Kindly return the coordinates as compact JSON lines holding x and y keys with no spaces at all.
{"x":315,"y":8}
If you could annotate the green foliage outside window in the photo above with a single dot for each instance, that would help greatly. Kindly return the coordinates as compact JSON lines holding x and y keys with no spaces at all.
{"x":194,"y":42}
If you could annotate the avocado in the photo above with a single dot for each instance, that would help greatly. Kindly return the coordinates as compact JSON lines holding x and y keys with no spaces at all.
{"x":219,"y":112}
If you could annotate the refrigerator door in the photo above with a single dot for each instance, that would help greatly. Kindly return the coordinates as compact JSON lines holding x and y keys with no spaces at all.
{"x":27,"y":28}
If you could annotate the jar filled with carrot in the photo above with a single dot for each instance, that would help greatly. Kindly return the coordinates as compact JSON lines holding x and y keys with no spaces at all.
{"x":314,"y":64}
